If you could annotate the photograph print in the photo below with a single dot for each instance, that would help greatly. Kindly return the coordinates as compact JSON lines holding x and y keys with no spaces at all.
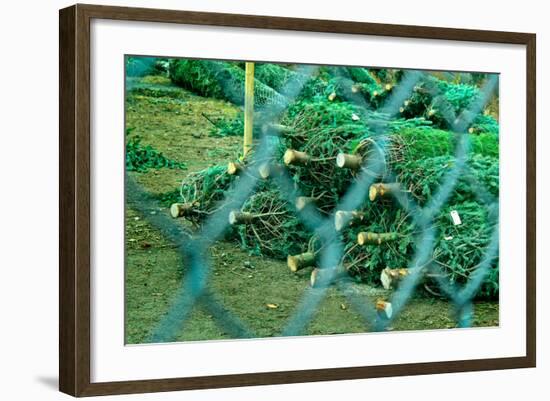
{"x":269,"y":199}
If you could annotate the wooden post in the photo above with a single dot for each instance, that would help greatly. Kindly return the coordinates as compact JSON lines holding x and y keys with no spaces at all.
{"x":248,"y":107}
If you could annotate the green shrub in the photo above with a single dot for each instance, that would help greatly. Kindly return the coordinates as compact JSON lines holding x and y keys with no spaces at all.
{"x":141,"y":157}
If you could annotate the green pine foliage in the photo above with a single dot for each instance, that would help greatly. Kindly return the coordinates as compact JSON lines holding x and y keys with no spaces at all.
{"x":362,"y":75}
{"x":457,"y":250}
{"x":279,"y":233}
{"x":322,"y":123}
{"x":217,"y":79}
{"x":461,"y":248}
{"x":141,"y":157}
{"x":273,"y":75}
{"x":142,"y":66}
{"x":422,"y":177}
{"x":234,"y":127}
{"x":485,"y":124}
{"x":204,"y":189}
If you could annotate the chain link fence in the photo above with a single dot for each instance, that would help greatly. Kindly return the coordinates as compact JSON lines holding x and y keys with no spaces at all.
{"x":193,"y":249}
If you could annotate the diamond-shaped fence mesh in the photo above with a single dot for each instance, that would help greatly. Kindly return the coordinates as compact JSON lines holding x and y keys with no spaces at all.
{"x":374,"y":173}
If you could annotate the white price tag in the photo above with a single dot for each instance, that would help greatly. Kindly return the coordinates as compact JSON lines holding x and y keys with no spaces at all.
{"x":456,"y":218}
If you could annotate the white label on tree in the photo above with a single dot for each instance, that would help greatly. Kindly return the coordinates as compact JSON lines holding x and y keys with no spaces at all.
{"x":456,"y":218}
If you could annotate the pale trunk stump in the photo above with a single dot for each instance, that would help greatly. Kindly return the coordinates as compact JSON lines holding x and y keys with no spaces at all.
{"x":383,"y":189}
{"x":298,"y":262}
{"x":269,"y":169}
{"x":234,"y":168}
{"x":344,"y":218}
{"x":295,"y":157}
{"x":384,"y":309}
{"x":275,"y":129}
{"x":236,"y":217}
{"x":180,"y":209}
{"x":391,"y":277}
{"x":352,"y":162}
{"x":320,"y":277}
{"x":364,"y":238}
{"x":302,"y":201}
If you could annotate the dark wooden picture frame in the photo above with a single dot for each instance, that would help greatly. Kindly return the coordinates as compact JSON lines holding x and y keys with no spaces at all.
{"x":74,"y":203}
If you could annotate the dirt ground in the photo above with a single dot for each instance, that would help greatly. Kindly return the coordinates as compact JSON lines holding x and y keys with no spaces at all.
{"x":171,"y":120}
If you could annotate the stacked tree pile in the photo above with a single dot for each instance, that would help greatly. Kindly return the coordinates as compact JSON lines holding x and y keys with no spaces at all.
{"x":382,"y":235}
{"x":267,"y":225}
{"x":202,"y":194}
{"x":225,"y":80}
{"x":324,"y":143}
{"x":438,"y":100}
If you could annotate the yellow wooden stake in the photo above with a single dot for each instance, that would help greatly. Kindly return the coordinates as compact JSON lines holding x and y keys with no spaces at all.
{"x":248,"y":107}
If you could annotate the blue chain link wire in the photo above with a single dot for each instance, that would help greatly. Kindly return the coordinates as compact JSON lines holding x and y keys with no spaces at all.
{"x":193,"y":250}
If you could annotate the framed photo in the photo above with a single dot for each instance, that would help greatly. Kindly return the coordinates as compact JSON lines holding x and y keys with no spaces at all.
{"x":250,"y":200}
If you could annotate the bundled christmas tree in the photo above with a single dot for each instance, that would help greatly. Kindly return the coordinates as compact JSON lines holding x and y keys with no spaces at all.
{"x":324,"y":143}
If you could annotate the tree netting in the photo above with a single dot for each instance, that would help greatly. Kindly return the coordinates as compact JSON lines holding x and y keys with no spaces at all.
{"x":442,"y":101}
{"x":457,"y":251}
{"x":142,"y":66}
{"x":202,"y":192}
{"x":221,"y":80}
{"x":266,"y":225}
{"x":324,"y":143}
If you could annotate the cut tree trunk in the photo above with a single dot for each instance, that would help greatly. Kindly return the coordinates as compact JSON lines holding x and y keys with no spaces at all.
{"x":344,"y":218}
{"x":236,"y":217}
{"x":275,"y":129}
{"x":295,"y":157}
{"x":234,"y":168}
{"x":268,"y":169}
{"x":298,"y":262}
{"x":301,"y":202}
{"x":180,"y":209}
{"x":364,"y":238}
{"x":383,"y":189}
{"x":324,"y":277}
{"x":353,"y":162}
{"x":390,"y":278}
{"x":384,"y":309}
